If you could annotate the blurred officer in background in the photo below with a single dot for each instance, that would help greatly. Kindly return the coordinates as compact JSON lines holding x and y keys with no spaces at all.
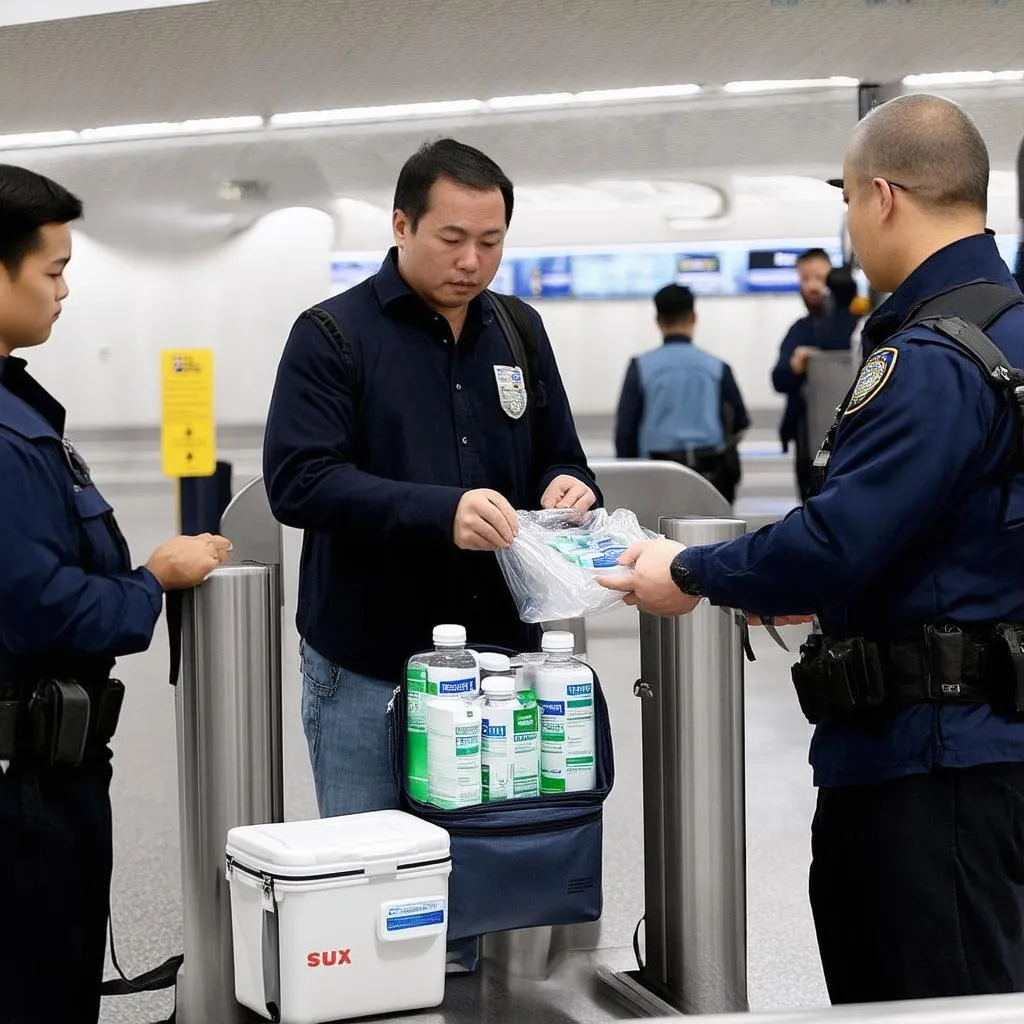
{"x":681,"y":404}
{"x":911,"y":554}
{"x":827,"y":293}
{"x":70,"y":603}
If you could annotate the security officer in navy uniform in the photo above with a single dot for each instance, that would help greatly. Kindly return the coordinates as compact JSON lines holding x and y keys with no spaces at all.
{"x":911,"y":557}
{"x":70,"y":603}
{"x":681,"y":404}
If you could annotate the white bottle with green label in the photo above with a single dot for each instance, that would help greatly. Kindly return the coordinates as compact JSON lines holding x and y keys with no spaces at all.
{"x":565,"y":695}
{"x":447,"y":671}
{"x":453,"y":753}
{"x":511,"y":742}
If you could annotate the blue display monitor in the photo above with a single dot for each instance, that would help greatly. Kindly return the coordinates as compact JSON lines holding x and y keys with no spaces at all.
{"x":637,"y":272}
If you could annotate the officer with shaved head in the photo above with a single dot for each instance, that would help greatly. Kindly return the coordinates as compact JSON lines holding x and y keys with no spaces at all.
{"x":910,"y":558}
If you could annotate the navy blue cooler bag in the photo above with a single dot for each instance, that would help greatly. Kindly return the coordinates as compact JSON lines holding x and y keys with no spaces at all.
{"x":519,"y":863}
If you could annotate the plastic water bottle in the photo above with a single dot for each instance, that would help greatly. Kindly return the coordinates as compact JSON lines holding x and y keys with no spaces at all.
{"x":448,"y":671}
{"x":453,"y":753}
{"x":565,"y":694}
{"x":494,"y":664}
{"x":510,"y":760}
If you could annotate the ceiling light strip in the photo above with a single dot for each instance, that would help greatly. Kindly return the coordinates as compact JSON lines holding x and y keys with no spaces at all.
{"x":444,"y":108}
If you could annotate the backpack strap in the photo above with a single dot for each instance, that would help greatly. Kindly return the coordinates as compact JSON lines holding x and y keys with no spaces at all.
{"x":962,"y":315}
{"x":331,"y":330}
{"x":514,"y":318}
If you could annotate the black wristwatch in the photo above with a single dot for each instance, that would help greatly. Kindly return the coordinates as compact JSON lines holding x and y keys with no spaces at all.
{"x":685,"y":579}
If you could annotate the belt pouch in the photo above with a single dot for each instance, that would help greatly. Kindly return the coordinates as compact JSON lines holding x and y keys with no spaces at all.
{"x":59,"y":711}
{"x":1012,"y":638}
{"x":108,"y":711}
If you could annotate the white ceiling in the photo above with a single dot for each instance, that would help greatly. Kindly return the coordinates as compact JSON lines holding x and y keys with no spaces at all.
{"x":238,"y":57}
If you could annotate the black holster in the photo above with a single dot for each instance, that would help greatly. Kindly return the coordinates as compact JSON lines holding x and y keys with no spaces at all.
{"x":62,"y":722}
{"x":836,"y":678}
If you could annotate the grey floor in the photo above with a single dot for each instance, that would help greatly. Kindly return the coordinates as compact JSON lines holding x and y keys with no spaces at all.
{"x":784,"y":972}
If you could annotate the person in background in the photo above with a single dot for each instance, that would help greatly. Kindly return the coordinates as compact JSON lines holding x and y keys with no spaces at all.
{"x":70,"y":603}
{"x":401,"y":439}
{"x":910,"y":553}
{"x":680,"y":403}
{"x":829,"y":325}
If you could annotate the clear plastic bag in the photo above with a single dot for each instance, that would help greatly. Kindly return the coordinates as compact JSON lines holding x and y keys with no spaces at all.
{"x":552,"y":565}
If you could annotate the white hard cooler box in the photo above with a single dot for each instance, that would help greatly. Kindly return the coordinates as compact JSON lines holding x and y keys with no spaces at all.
{"x":339,"y":917}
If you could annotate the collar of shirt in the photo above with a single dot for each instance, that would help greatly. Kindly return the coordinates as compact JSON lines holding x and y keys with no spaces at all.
{"x":396,"y":297}
{"x":33,"y":412}
{"x":974,"y":258}
{"x":684,"y":339}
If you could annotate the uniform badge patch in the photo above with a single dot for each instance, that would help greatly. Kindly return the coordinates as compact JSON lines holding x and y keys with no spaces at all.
{"x":874,"y":375}
{"x":511,"y":390}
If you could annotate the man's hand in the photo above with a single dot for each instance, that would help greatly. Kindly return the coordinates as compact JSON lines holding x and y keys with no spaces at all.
{"x":484,"y":521}
{"x":798,"y":361}
{"x":567,"y":492}
{"x":186,"y":561}
{"x":649,"y":586}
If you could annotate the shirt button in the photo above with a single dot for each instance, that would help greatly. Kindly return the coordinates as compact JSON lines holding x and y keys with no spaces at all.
{"x":465,"y":440}
{"x":458,"y":387}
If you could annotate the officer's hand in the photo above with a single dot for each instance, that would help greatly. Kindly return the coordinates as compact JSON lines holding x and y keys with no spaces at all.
{"x":567,"y":492}
{"x":798,"y":361}
{"x":650,"y":585}
{"x":186,"y":561}
{"x":484,"y":521}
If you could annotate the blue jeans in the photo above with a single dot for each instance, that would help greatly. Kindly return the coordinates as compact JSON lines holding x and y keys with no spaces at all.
{"x":344,"y":717}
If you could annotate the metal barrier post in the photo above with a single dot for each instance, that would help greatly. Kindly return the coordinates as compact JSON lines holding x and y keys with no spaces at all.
{"x":230,"y":760}
{"x":694,"y":813}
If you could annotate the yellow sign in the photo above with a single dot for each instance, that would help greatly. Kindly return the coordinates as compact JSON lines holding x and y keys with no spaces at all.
{"x":188,"y":435}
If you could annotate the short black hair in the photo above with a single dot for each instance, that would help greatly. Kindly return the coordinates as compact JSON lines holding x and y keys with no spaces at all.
{"x":929,"y":147}
{"x":454,"y":161}
{"x":813,"y":254}
{"x":27,"y":202}
{"x":674,"y":303}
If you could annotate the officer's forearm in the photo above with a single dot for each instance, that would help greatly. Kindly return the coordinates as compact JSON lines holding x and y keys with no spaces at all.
{"x":332,"y":497}
{"x":789,"y":568}
{"x":67,"y":610}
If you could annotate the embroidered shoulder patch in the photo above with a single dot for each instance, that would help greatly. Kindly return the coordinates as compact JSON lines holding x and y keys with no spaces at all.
{"x":874,"y":375}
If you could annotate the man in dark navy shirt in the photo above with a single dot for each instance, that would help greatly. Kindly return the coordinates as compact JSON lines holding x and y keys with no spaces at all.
{"x":828,"y":326}
{"x":681,"y":403}
{"x":911,"y":555}
{"x":401,"y":440}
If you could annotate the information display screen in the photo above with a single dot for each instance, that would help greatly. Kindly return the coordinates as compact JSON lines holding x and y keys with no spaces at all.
{"x":635,"y":272}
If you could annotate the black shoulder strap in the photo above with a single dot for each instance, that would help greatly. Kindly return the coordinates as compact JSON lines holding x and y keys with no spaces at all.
{"x":514,"y":318}
{"x":962,"y":315}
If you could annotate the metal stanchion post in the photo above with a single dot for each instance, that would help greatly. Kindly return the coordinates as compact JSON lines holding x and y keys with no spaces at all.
{"x":694,"y":813}
{"x":228,"y":709}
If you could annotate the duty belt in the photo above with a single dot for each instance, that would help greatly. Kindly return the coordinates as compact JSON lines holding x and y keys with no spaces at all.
{"x":58,"y":721}
{"x":857,"y":676}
